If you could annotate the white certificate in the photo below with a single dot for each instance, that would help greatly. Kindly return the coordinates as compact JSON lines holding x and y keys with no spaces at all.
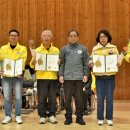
{"x":12,"y":68}
{"x":18,"y":67}
{"x":111,"y":63}
{"x":40,"y":61}
{"x":8,"y":67}
{"x":52,"y":63}
{"x":99,"y":64}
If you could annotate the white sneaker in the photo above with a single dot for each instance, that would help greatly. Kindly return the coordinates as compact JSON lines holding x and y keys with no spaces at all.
{"x":52,"y":119}
{"x":42,"y":120}
{"x":7,"y":120}
{"x":100,"y":122}
{"x":18,"y":119}
{"x":110,"y":122}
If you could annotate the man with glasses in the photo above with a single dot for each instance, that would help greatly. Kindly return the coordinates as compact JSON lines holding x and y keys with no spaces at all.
{"x":14,"y":51}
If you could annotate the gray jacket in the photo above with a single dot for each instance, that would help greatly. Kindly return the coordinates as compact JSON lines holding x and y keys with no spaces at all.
{"x":74,"y":62}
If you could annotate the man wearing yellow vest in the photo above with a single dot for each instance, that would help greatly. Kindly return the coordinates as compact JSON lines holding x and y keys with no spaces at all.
{"x":14,"y":51}
{"x":46,"y":81}
{"x":105,"y":81}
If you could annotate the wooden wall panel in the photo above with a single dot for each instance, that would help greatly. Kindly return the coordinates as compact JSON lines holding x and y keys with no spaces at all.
{"x":31,"y":17}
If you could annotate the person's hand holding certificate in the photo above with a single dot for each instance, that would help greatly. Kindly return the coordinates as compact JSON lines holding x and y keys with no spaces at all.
{"x":103,"y":64}
{"x":12,"y":68}
{"x":46,"y":62}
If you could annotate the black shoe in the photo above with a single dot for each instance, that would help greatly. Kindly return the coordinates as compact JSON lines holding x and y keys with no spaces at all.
{"x":68,"y":121}
{"x":80,"y":121}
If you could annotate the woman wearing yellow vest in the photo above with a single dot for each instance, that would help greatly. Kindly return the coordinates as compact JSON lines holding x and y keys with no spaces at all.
{"x":105,"y":82}
{"x":46,"y":81}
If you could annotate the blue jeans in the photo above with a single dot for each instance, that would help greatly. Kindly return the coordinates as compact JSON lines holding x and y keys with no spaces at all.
{"x":105,"y":86}
{"x":16,"y":84}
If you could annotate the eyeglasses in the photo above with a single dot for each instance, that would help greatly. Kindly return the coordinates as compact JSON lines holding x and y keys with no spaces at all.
{"x":104,"y":36}
{"x":13,"y":35}
{"x":73,"y":36}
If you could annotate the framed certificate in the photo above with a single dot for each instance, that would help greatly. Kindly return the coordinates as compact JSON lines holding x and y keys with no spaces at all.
{"x":46,"y":62}
{"x":103,"y":64}
{"x":99,"y":64}
{"x":12,"y":68}
{"x":18,"y":67}
{"x":41,"y":61}
{"x":111,"y":63}
{"x":52,"y":63}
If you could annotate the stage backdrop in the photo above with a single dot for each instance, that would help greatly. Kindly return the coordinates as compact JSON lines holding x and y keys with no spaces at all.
{"x":31,"y":17}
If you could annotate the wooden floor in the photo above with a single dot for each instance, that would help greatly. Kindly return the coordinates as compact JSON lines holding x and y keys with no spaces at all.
{"x":121,"y":121}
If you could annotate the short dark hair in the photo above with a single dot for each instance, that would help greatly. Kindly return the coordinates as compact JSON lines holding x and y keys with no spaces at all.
{"x":13,"y":30}
{"x":73,"y":30}
{"x":106,"y":33}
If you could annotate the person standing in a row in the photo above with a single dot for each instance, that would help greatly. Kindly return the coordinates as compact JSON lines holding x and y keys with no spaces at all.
{"x":13,"y":50}
{"x":46,"y":81}
{"x":105,"y":82}
{"x":73,"y":72}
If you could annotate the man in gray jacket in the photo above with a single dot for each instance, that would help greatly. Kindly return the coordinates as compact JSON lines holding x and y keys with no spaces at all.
{"x":73,"y":72}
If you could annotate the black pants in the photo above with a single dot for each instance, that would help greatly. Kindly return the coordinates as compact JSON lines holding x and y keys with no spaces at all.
{"x":73,"y":87}
{"x":46,"y":97}
{"x":87,"y":100}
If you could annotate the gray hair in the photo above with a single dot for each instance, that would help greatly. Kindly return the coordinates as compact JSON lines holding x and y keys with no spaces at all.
{"x":49,"y":31}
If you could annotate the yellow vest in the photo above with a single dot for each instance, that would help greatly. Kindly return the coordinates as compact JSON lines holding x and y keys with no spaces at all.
{"x":19,"y":52}
{"x":100,"y":50}
{"x":45,"y":74}
{"x":93,"y":85}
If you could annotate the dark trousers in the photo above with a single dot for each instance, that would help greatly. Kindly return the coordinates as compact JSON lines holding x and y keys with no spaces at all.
{"x":46,"y":97}
{"x":105,"y":88}
{"x":86,"y":100}
{"x":73,"y":87}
